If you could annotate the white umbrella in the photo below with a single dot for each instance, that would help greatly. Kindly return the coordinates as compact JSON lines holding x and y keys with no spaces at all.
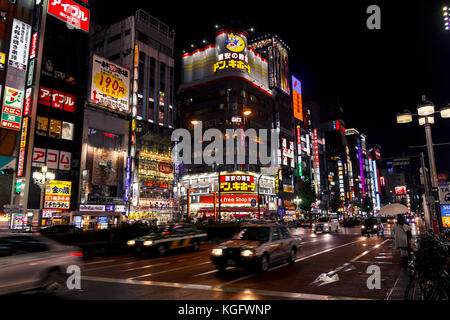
{"x":393,"y":209}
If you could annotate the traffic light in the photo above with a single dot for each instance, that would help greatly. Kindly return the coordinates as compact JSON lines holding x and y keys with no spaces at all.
{"x":6,"y":171}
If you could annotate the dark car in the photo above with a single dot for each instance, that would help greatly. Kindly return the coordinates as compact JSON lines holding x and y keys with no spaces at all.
{"x":256,"y":246}
{"x":62,"y":228}
{"x":372,"y":226}
{"x":304,"y":223}
{"x":168,"y":237}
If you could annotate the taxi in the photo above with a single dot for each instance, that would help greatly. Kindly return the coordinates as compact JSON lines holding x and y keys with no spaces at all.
{"x":256,"y":246}
{"x":168,"y":237}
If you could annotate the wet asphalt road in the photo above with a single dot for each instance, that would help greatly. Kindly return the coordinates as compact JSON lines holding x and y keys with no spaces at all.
{"x":187,"y":275}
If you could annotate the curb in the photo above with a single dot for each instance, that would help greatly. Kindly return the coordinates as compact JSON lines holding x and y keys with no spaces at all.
{"x":398,"y":291}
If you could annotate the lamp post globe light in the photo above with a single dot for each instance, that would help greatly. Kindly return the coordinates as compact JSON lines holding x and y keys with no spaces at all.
{"x":42,"y":178}
{"x":426,"y":112}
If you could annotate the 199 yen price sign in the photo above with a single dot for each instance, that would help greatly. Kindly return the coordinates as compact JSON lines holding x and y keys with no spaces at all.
{"x":110,"y":84}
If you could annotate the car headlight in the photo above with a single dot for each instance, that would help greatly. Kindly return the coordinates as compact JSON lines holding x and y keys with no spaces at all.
{"x":313,"y":224}
{"x":131,"y":242}
{"x":326,"y":224}
{"x":148,"y":243}
{"x":247,"y":253}
{"x":375,"y":227}
{"x":217,"y":252}
{"x":363,"y":227}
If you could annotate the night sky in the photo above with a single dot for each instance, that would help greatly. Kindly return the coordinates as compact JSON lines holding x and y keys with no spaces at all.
{"x":376,"y":73}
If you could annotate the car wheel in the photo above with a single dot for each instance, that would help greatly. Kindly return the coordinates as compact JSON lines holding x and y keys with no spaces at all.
{"x":162,"y":250}
{"x":292,"y":255}
{"x":337,"y":229}
{"x":264,"y":264}
{"x":329,"y":229}
{"x":315,"y":232}
{"x":195,"y":246}
{"x":54,"y":282}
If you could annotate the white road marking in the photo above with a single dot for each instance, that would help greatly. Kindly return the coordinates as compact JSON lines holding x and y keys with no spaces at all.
{"x":146,"y":266}
{"x":327,"y":250}
{"x":110,"y":266}
{"x":205,"y":273}
{"x":294,"y":295}
{"x":97,"y":262}
{"x":165,"y":271}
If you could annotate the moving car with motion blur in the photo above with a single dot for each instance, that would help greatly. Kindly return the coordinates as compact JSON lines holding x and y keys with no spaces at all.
{"x":29,"y":261}
{"x":372,"y":226}
{"x":60,"y":229}
{"x":326,"y":224}
{"x":168,"y":237}
{"x":256,"y":246}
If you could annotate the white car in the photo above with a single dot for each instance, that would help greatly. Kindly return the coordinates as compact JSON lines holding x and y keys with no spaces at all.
{"x":326,"y":224}
{"x":31,"y":261}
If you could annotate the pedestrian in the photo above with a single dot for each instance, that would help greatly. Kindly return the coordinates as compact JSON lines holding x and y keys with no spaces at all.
{"x":401,"y":238}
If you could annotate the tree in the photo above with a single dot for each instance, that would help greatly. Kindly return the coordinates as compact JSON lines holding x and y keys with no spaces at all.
{"x":308,"y":196}
{"x":367,"y":205}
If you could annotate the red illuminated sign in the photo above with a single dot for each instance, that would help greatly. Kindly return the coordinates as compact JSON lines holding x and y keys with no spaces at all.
{"x":57,"y":99}
{"x":230,"y":199}
{"x":400,"y":190}
{"x":165,"y":167}
{"x":33,"y":45}
{"x":70,"y":12}
{"x":27,"y":104}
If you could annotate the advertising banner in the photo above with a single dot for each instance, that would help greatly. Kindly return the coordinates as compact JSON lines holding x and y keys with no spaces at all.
{"x":20,"y":44}
{"x":12,"y":109}
{"x":70,"y":12}
{"x":230,"y":199}
{"x":110,"y":85}
{"x":297,"y":98}
{"x":23,"y":141}
{"x":237,"y":183}
{"x":57,"y":195}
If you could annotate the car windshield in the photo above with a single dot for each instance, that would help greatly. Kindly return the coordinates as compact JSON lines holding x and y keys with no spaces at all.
{"x":253,"y":233}
{"x":322,"y":220}
{"x":371,"y":221}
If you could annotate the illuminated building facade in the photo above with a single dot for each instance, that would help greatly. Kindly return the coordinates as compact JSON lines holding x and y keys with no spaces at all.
{"x":145,"y":46}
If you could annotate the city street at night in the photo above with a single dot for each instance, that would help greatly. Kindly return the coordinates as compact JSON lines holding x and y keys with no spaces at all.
{"x":210,"y":159}
{"x":191,"y":275}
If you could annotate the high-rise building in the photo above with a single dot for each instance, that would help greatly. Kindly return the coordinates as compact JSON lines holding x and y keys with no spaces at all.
{"x":145,"y":46}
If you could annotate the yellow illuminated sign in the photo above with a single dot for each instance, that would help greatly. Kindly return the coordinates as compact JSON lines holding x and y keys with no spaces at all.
{"x":237,"y":183}
{"x":231,"y":64}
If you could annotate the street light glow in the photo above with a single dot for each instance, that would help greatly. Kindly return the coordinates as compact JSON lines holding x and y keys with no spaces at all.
{"x":422,"y":120}
{"x":247,"y":112}
{"x":195,"y":122}
{"x":404,"y":117}
{"x":425,"y":108}
{"x":445,"y":112}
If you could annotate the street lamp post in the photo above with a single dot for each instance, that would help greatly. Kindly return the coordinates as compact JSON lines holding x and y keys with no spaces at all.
{"x":214,"y":199}
{"x":425,"y":112}
{"x":189,"y":202}
{"x":42,"y":178}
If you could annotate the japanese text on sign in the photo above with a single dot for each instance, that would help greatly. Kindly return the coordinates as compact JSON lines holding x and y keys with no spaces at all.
{"x":239,"y":183}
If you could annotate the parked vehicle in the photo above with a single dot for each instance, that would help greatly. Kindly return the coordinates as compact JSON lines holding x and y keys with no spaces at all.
{"x":168,"y":237}
{"x":256,"y":246}
{"x":32,"y":261}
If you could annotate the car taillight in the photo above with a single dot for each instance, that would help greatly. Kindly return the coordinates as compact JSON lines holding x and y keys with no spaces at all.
{"x":76,"y":254}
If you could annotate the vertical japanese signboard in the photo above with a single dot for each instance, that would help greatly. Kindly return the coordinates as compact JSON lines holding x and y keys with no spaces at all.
{"x":20,"y":44}
{"x":12,"y":109}
{"x":23,"y":143}
{"x":297,"y":98}
{"x":110,"y":85}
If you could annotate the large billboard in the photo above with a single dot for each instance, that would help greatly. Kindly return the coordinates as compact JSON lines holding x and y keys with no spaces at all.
{"x":12,"y":108}
{"x":19,"y":45}
{"x":70,"y":12}
{"x":297,"y":98}
{"x":278,"y":64}
{"x":229,"y":56}
{"x":110,"y":85}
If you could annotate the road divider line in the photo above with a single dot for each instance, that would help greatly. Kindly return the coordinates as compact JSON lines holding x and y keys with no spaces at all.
{"x":293,"y":295}
{"x":327,"y":250}
{"x":205,"y":273}
{"x":146,"y":267}
{"x":109,"y":266}
{"x":97,"y":262}
{"x":165,"y":271}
